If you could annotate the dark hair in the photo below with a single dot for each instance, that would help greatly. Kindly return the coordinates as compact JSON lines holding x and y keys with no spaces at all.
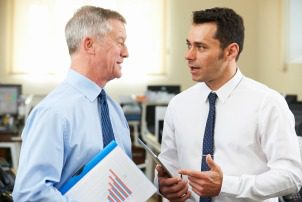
{"x":230,"y":27}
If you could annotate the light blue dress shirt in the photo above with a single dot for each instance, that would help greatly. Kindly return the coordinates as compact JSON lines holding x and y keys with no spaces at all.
{"x":61,"y":135}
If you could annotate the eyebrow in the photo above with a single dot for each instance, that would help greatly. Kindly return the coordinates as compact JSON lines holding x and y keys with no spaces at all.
{"x":195,"y":43}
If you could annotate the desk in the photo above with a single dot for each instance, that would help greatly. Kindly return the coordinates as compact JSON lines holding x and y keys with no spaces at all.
{"x":13,"y":143}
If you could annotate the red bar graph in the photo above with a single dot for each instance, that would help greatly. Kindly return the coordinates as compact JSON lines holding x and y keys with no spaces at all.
{"x":118,"y":191}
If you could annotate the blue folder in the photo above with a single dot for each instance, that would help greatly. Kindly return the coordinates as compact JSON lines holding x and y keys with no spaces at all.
{"x":86,"y":168}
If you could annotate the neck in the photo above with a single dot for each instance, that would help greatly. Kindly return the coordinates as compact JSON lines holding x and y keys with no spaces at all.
{"x":225,"y":76}
{"x":87,"y":69}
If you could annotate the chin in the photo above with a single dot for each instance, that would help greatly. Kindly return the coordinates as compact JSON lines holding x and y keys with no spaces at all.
{"x":196,"y":79}
{"x":118,"y":72}
{"x":117,"y":76}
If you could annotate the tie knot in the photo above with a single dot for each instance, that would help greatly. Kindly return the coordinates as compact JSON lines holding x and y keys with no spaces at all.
{"x":103,"y":93}
{"x":212,"y":98}
{"x":102,"y":96}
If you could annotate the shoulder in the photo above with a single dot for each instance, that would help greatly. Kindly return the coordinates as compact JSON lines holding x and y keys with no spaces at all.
{"x":255,"y":87}
{"x":264,"y":94}
{"x":60,"y":100}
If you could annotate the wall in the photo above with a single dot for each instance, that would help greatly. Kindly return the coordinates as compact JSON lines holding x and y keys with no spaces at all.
{"x":180,"y":21}
{"x":4,"y":39}
{"x":261,"y":59}
{"x":273,"y":70}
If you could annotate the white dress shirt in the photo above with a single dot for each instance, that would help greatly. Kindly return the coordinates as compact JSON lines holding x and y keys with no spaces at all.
{"x":255,"y":141}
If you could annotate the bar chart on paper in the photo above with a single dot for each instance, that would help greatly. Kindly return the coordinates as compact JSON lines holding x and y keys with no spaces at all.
{"x":114,"y":179}
{"x":118,"y":190}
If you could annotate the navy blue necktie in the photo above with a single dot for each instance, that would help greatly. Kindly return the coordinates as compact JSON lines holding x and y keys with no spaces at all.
{"x":208,"y":139}
{"x":107,"y":131}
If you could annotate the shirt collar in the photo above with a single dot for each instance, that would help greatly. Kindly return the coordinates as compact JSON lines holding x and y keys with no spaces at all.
{"x":84,"y":85}
{"x":225,"y":91}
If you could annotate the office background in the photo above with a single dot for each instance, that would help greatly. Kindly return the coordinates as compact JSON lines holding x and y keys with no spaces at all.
{"x":263,"y":57}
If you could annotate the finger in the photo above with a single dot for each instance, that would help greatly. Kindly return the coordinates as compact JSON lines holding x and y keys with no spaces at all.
{"x":183,"y":188}
{"x":173,"y":185}
{"x":186,"y":196}
{"x":202,"y":177}
{"x":179,"y":192}
{"x":198,"y":185}
{"x":191,"y":173}
{"x":183,"y":198}
{"x":212,"y":164}
{"x":158,"y":168}
{"x":195,"y":175}
{"x":165,"y":181}
{"x":161,"y":172}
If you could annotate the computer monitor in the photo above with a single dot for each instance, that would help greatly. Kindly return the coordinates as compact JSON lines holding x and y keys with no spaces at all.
{"x":171,"y":89}
{"x":9,"y":99}
{"x":161,"y":93}
{"x":291,"y":99}
{"x":296,"y":109}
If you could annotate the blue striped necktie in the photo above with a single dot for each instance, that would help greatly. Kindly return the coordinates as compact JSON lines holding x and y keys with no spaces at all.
{"x":107,"y":131}
{"x":208,"y":139}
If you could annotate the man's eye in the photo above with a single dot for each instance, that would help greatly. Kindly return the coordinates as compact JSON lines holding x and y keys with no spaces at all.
{"x":200,"y":47}
{"x":189,"y":45}
{"x":122,"y":44}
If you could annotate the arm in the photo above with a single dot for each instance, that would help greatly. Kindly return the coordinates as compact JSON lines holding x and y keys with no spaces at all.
{"x":174,"y":189}
{"x":41,"y":159}
{"x":278,"y":142}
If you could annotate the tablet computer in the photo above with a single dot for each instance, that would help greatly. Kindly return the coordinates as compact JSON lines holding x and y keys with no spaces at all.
{"x":155,"y":157}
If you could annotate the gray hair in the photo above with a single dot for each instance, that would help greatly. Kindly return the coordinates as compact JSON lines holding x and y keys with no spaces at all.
{"x":89,"y":21}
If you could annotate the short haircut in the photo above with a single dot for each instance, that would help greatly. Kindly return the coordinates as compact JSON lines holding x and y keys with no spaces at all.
{"x":89,"y":21}
{"x":230,"y":26}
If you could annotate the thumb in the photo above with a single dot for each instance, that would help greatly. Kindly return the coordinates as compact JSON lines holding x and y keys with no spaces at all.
{"x":160,"y":171}
{"x":211,"y":163}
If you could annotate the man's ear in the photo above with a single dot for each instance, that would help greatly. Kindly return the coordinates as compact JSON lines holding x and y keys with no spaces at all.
{"x":232,"y":51}
{"x":88,"y":45}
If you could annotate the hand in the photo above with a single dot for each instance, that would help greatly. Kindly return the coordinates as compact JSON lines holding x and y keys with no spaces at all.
{"x":205,"y":183}
{"x":174,"y":189}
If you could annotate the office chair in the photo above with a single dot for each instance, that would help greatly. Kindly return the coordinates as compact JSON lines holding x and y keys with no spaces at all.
{"x":7,"y":181}
{"x":297,"y":197}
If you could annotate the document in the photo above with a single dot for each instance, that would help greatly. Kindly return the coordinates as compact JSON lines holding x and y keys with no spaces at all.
{"x":110,"y":176}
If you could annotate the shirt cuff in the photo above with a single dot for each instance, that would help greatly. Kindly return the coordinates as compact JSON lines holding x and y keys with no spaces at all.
{"x":230,"y":185}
